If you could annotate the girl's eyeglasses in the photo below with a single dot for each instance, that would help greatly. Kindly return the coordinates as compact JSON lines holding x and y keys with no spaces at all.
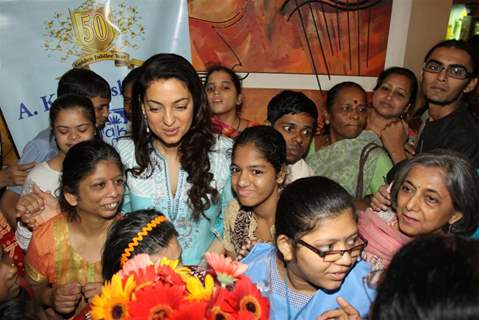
{"x":333,"y":255}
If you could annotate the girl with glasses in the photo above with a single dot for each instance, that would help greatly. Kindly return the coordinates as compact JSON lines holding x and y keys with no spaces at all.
{"x":314,"y":270}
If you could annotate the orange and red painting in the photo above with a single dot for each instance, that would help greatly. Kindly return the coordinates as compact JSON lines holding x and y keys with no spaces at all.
{"x":329,"y":37}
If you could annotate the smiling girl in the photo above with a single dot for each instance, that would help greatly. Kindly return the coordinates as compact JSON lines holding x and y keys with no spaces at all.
{"x":258,"y":170}
{"x":72,"y":120}
{"x":315,"y":268}
{"x":63,"y":261}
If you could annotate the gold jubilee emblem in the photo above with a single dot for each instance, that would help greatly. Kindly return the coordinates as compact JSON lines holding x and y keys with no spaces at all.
{"x":92,"y":30}
{"x":92,"y":34}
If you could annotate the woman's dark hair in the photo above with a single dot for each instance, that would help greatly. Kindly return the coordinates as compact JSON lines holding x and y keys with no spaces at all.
{"x":130,"y":78}
{"x":69,"y":102}
{"x":294,"y":102}
{"x":233,"y":76}
{"x":269,"y":142}
{"x":123,"y":231}
{"x":80,"y":161}
{"x":413,"y":86}
{"x":196,"y":143}
{"x":83,"y":82}
{"x":306,"y":201}
{"x":433,"y":277}
{"x":335,"y":90}
{"x":461,"y":181}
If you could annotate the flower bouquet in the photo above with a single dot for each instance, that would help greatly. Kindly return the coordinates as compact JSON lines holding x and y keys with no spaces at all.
{"x":144,"y":290}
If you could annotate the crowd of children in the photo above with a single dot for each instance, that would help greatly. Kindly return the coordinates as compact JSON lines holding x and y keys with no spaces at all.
{"x":322,"y":235}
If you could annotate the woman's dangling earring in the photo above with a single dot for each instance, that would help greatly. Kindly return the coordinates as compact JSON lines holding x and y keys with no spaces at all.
{"x":146,"y":124}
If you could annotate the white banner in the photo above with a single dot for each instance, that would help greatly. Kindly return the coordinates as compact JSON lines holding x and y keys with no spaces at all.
{"x":41,"y":40}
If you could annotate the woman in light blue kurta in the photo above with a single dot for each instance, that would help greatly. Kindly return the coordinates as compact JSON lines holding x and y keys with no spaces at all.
{"x":174,"y":162}
{"x":315,"y":259}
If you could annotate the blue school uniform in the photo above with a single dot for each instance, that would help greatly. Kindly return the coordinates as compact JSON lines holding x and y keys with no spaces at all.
{"x":285,"y":303}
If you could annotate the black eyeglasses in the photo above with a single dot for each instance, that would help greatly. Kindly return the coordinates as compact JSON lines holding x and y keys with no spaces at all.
{"x":455,"y":71}
{"x":333,"y":255}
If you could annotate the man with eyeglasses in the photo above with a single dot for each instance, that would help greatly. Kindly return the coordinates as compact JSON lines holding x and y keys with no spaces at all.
{"x":449,"y":76}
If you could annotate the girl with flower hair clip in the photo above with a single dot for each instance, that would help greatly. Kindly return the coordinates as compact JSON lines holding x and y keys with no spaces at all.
{"x":142,"y":231}
{"x":315,"y":270}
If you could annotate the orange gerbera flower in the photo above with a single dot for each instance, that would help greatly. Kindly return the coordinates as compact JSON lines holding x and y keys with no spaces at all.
{"x":168,"y":276}
{"x":191,"y":310}
{"x":222,"y":306}
{"x":155,"y":301}
{"x":225,"y":268}
{"x":249,"y":299}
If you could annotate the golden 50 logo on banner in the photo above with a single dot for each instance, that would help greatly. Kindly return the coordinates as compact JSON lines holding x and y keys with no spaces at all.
{"x":41,"y":40}
{"x":95,"y":33}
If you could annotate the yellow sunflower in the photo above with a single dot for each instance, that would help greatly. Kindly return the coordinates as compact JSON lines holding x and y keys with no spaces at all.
{"x":112,"y":303}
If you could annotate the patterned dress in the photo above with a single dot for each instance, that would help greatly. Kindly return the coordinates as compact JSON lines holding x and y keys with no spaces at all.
{"x":240,"y":226}
{"x":339,"y":162}
{"x":154,"y":191}
{"x":52,"y":260}
{"x":226,"y":130}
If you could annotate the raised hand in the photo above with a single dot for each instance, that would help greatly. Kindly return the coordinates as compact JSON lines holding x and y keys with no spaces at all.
{"x":344,"y":312}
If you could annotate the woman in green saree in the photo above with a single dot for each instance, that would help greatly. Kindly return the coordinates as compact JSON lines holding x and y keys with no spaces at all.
{"x":352,"y":156}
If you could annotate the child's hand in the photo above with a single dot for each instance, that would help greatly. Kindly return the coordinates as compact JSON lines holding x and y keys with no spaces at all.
{"x":344,"y":312}
{"x":91,"y":289}
{"x":65,"y":297}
